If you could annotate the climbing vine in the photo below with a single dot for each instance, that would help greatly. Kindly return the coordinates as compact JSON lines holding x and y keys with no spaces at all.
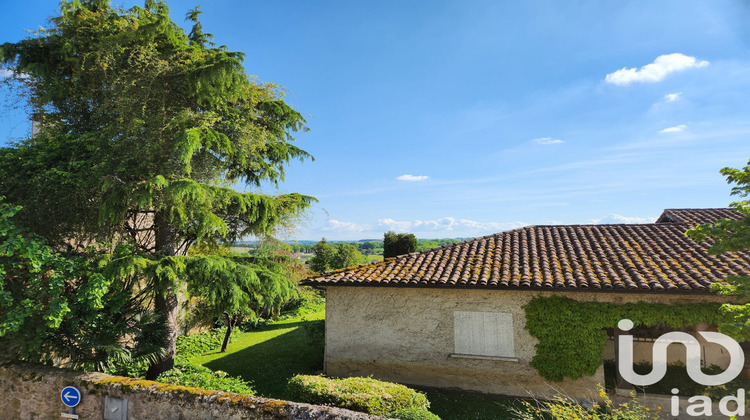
{"x":572,"y":334}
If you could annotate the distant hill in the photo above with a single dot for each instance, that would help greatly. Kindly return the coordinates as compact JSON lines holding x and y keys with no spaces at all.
{"x":366,"y":246}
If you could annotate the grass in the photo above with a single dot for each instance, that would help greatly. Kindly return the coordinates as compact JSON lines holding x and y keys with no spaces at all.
{"x":458,"y":405}
{"x":270,"y":356}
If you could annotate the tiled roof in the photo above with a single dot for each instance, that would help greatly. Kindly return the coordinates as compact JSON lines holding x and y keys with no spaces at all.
{"x":695,"y":217}
{"x":625,"y":257}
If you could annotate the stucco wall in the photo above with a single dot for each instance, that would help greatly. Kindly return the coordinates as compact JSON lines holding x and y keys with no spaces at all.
{"x":33,"y":392}
{"x":407,"y":335}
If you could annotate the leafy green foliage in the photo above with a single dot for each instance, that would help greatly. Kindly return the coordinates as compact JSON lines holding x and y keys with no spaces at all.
{"x":324,"y":254}
{"x":329,"y":257}
{"x":571,"y":342}
{"x":188,"y":374}
{"x":315,"y":332}
{"x":360,"y":394}
{"x":732,"y":235}
{"x":78,"y":308}
{"x":435,"y":243}
{"x":564,"y":409}
{"x":372,"y":247}
{"x":196,"y":344}
{"x":347,"y":255}
{"x":413,"y":413}
{"x":270,"y":355}
{"x":142,"y":128}
{"x":395,"y":244}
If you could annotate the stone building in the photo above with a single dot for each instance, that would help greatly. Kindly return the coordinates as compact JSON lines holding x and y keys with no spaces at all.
{"x":453,"y":316}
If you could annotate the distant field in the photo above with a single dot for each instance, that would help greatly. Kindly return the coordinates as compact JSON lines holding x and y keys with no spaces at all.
{"x":240,"y":249}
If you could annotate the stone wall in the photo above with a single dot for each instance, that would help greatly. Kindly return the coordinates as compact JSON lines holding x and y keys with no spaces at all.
{"x":407,"y":335}
{"x":33,"y":392}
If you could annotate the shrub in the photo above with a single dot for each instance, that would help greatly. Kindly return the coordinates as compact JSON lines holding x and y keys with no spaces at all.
{"x":308,"y":300}
{"x":198,"y":376}
{"x":360,"y":394}
{"x":253,"y":323}
{"x":131,"y":369}
{"x":197,"y":344}
{"x":413,"y":413}
{"x":562,"y":408}
{"x":315,"y":332}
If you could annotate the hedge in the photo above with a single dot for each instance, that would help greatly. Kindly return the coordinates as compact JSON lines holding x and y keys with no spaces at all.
{"x":360,"y":394}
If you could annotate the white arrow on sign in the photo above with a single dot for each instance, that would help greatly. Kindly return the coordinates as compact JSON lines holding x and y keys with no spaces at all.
{"x":70,"y":396}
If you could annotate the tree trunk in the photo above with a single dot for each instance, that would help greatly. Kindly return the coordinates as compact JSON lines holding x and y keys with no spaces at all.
{"x":167,"y":306}
{"x":165,"y":301}
{"x":230,"y":326}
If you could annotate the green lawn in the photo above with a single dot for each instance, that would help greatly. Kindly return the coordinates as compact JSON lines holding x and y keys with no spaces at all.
{"x":455,"y":405}
{"x":269,"y":356}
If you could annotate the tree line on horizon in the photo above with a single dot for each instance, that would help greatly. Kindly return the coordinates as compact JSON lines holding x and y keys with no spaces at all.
{"x":329,"y":256}
{"x":365,"y":246}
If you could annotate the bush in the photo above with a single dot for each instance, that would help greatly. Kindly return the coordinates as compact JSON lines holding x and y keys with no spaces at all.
{"x":413,"y":413}
{"x":252,"y":323}
{"x":562,"y":408}
{"x":360,"y":394}
{"x":197,"y":344}
{"x":131,"y":369}
{"x":315,"y":332}
{"x":187,"y":374}
{"x":308,"y":300}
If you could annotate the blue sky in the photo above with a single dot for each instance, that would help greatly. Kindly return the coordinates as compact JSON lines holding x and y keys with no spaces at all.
{"x":464,"y":118}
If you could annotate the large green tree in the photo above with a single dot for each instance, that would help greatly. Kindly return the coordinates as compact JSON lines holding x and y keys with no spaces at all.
{"x":322,"y":261}
{"x":732,"y":235}
{"x":239,"y":286}
{"x":395,"y":244}
{"x":143,"y":129}
{"x":329,"y":257}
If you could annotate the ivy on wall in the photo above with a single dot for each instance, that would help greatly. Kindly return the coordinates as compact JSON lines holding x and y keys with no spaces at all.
{"x":572,"y":334}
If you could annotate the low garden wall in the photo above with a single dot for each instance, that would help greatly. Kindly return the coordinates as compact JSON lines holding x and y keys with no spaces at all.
{"x":30,"y":391}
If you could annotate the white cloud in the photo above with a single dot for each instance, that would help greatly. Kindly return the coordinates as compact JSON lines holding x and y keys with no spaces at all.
{"x":656,"y":71}
{"x":671,"y":97}
{"x":394,"y":225}
{"x":412,"y":177}
{"x":548,"y":140}
{"x":5,"y":73}
{"x":616,"y":218}
{"x":448,"y":225}
{"x":339,"y":226}
{"x":675,"y":129}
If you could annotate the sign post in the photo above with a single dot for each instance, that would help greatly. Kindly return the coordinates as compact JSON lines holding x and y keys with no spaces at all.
{"x":71,"y":397}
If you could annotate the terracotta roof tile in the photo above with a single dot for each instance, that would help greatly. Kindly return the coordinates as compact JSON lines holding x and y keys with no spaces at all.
{"x":696,"y":217}
{"x":648,"y":257}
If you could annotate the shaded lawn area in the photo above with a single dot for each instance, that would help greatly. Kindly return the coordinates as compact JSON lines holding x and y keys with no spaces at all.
{"x":457,"y":405}
{"x":270,"y":356}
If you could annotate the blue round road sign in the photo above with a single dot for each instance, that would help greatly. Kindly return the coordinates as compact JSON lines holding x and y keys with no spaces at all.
{"x":70,"y":396}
